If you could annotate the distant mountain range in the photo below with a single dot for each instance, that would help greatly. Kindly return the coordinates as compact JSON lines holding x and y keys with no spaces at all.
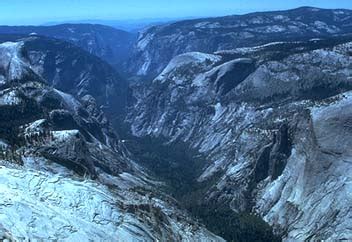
{"x":132,"y":25}
{"x":157,"y":45}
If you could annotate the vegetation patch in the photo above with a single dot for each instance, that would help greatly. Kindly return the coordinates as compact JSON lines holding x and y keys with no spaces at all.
{"x":179,"y":166}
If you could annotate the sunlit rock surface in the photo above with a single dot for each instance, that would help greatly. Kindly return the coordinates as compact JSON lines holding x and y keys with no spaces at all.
{"x":273,"y":124}
{"x":157,"y":45}
{"x":47,"y":206}
{"x":64,"y":173}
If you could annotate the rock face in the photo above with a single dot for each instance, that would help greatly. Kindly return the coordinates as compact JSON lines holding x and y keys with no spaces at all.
{"x":273,"y":124}
{"x":158,"y":45}
{"x":73,"y":70}
{"x":110,"y":44}
{"x":77,"y":72}
{"x":44,"y":206}
{"x":64,"y":173}
{"x":255,"y":108}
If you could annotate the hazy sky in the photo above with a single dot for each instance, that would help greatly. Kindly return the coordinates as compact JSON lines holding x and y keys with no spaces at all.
{"x":40,"y":11}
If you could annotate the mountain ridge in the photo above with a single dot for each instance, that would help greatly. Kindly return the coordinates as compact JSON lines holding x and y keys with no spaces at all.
{"x":239,"y":128}
{"x":251,"y":129}
{"x":65,"y":174}
{"x":108,"y":43}
{"x":157,"y":45}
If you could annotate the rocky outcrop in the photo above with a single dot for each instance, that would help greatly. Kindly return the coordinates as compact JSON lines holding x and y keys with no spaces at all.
{"x":64,"y":173}
{"x":74,"y":71}
{"x":258,"y":132}
{"x":309,"y":200}
{"x":274,"y":132}
{"x":110,"y":44}
{"x":46,"y":206}
{"x":159,"y":44}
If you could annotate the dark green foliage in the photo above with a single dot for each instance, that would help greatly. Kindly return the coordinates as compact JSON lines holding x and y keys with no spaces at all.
{"x":179,"y":166}
{"x":175,"y":164}
{"x":232,"y":226}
